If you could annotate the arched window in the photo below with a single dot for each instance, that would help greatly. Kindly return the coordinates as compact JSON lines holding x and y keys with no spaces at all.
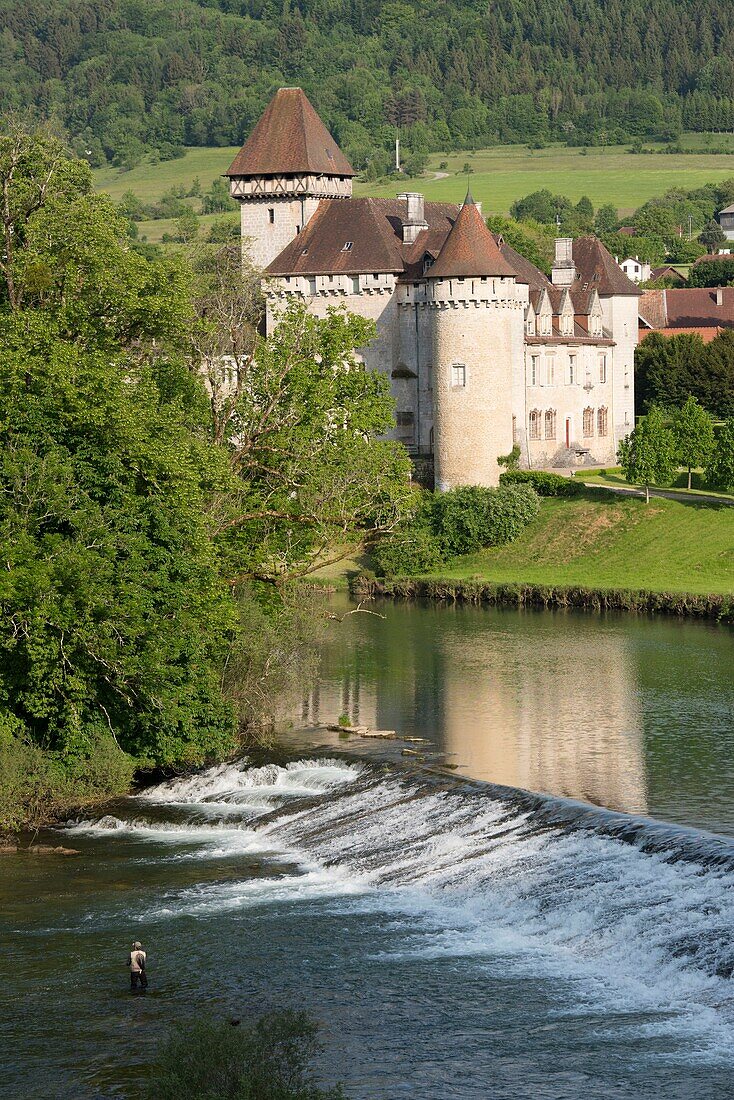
{"x":550,"y":423}
{"x":601,"y":421}
{"x":534,"y":424}
{"x":588,"y":422}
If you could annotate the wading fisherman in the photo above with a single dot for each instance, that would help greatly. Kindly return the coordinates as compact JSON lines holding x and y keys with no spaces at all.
{"x":136,"y":962}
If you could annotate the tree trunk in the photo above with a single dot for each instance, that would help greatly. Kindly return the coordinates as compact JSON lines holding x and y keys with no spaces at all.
{"x":689,"y":477}
{"x":647,"y":494}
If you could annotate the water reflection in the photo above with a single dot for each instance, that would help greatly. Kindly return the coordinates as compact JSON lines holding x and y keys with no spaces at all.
{"x":630,"y":713}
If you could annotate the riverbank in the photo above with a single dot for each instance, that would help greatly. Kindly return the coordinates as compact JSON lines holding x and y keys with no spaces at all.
{"x":597,"y":552}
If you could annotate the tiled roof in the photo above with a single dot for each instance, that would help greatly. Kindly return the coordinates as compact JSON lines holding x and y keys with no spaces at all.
{"x":470,"y":250}
{"x":707,"y":334}
{"x":596,"y":267}
{"x":713,"y":256}
{"x":373,"y":229}
{"x":697,"y":307}
{"x":689,"y":308}
{"x":526,"y":270}
{"x":289,"y":139}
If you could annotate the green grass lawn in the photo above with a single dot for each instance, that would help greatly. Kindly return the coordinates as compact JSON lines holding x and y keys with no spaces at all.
{"x":665,"y":546}
{"x":501,"y":174}
{"x":152,"y":231}
{"x":505,"y":173}
{"x":149,"y":181}
{"x":614,"y":478}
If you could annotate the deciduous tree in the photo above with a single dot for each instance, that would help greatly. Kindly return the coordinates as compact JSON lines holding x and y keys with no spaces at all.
{"x":693,"y":430}
{"x":647,"y":454}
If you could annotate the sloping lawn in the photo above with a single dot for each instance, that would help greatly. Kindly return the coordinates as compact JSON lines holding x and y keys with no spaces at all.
{"x":665,"y":546}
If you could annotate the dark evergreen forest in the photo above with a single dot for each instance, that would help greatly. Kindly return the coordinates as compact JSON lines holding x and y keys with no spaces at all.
{"x":128,"y":76}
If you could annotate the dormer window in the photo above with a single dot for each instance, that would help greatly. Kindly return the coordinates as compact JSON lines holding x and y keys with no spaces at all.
{"x":530,"y":326}
{"x":347,"y":246}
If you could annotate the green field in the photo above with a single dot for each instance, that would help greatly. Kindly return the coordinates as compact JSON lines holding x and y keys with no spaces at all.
{"x":665,"y":546}
{"x":500,"y":175}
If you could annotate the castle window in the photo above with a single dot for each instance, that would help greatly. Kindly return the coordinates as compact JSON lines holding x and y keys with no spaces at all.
{"x":404,"y":419}
{"x":271,"y":215}
{"x":571,"y":369}
{"x":588,"y":423}
{"x":347,"y":246}
{"x":530,"y":325}
{"x":550,"y":370}
{"x":550,"y":424}
{"x":601,"y":421}
{"x":534,"y":370}
{"x":602,"y":368}
{"x":458,"y":376}
{"x":375,"y":276}
{"x":534,"y":424}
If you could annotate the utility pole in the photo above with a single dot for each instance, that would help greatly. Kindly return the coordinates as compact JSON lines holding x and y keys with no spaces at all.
{"x":397,"y":150}
{"x":690,"y":226}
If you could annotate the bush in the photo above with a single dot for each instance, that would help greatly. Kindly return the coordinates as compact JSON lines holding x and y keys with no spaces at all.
{"x":411,"y":548}
{"x":460,"y":521}
{"x":35,"y":784}
{"x":545,"y":484}
{"x":214,"y":1060}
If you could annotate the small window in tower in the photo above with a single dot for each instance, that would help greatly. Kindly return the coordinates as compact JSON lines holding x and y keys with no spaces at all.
{"x":304,"y":252}
{"x":347,"y":246}
{"x":271,"y":215}
{"x":458,"y":376}
{"x":375,"y":276}
{"x":298,"y":230}
{"x":404,"y":419}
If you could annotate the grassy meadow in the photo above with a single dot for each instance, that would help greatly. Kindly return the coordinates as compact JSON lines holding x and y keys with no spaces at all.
{"x":500,"y":174}
{"x":619,"y":542}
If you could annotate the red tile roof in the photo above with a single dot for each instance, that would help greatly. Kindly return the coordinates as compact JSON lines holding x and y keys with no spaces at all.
{"x":470,"y":249}
{"x":688,"y":308}
{"x":289,"y":139}
{"x":707,"y":334}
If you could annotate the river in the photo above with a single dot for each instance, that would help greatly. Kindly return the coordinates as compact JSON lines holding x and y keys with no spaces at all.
{"x":562,"y":929}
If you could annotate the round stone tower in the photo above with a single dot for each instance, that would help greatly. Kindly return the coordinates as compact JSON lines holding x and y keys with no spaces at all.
{"x":477,"y":306}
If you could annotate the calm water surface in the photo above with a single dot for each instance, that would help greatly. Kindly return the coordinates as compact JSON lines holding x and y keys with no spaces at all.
{"x":456,"y":940}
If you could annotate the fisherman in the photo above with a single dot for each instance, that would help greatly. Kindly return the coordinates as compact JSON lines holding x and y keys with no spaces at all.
{"x":136,"y":962}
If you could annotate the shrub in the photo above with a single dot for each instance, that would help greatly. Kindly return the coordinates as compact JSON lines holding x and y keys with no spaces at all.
{"x":213,"y":1060}
{"x":471,"y":517}
{"x":544,"y":483}
{"x":411,"y":548}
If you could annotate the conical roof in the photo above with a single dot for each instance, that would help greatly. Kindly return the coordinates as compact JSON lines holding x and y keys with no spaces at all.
{"x":290,"y":139}
{"x":470,"y":249}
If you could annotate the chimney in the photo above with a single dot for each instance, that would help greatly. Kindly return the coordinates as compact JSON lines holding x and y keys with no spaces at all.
{"x":415,"y":220}
{"x":719,"y":296}
{"x":564,"y":269}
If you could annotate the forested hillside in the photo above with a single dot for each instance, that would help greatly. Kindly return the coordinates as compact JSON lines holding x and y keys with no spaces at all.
{"x":129,"y":76}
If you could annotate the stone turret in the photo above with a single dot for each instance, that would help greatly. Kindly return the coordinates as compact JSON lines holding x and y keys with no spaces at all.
{"x":477,"y":305}
{"x":287,"y":165}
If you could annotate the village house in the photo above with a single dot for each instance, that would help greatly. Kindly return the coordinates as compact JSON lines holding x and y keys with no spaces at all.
{"x":725,"y":219}
{"x":703,"y":310}
{"x":483,"y":350}
{"x":639,"y":271}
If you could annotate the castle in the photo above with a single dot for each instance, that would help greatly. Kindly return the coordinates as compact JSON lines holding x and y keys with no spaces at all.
{"x":483,"y":350}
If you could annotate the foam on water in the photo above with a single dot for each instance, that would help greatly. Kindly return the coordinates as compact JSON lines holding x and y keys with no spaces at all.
{"x":239,"y":784}
{"x":635,"y":922}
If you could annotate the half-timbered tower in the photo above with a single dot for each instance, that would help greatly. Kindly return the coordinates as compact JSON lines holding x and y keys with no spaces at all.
{"x":287,"y":165}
